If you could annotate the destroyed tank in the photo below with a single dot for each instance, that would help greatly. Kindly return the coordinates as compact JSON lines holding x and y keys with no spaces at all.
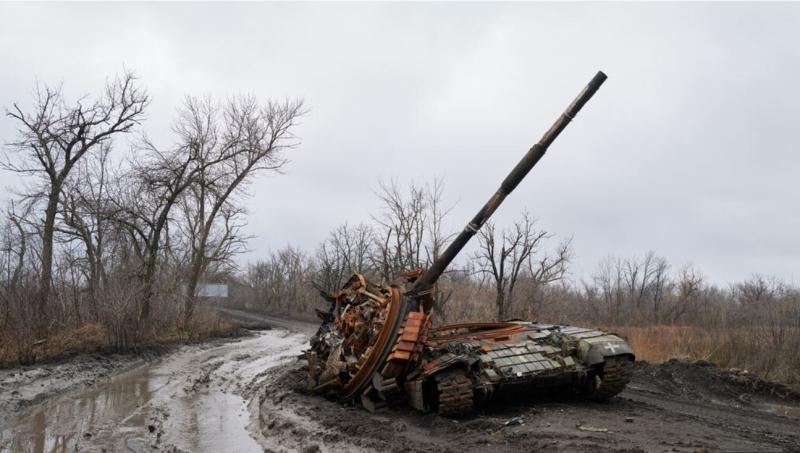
{"x":376,"y":344}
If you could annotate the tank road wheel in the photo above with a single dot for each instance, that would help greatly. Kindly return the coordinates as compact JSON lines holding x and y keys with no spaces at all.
{"x":615,"y":376}
{"x":455,"y":393}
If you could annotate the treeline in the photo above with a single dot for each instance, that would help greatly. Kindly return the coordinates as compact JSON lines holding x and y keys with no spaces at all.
{"x":516,"y":272}
{"x":121,"y":239}
{"x":521,"y":271}
{"x":408,"y":233}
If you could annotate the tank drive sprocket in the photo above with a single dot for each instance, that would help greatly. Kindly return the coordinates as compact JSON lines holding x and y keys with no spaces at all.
{"x":614,"y":377}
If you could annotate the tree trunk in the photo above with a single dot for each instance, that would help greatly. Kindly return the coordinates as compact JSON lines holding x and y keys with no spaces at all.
{"x":500,"y":302}
{"x":191,"y":287}
{"x":76,"y":301}
{"x":149,"y":275}
{"x":152,"y":259}
{"x":92,"y":260}
{"x":94,"y":285}
{"x":46,"y":278}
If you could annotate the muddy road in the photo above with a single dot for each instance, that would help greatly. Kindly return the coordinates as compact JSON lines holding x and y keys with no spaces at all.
{"x":247,"y":395}
{"x":198,"y":398}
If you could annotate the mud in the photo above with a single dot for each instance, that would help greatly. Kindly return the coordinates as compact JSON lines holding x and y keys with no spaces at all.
{"x":249,"y":395}
{"x":196,"y":398}
{"x":670,"y":407}
{"x":25,"y":386}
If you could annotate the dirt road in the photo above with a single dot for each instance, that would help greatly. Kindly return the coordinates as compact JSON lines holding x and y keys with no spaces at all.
{"x":248,"y":395}
{"x":199,"y":398}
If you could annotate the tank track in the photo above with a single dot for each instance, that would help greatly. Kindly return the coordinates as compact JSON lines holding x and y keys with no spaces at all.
{"x":456,"y":396}
{"x":616,"y":375}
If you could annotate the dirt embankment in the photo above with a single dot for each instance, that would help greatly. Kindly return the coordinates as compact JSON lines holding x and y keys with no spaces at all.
{"x":675,"y":407}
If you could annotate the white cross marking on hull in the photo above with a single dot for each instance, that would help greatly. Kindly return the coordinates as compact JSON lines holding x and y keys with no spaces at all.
{"x":611,"y":348}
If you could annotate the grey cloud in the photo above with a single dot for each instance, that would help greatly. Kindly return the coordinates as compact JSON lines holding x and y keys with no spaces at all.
{"x":690,"y":148}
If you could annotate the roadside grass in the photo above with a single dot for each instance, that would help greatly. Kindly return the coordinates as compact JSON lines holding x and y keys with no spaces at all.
{"x":20,"y":347}
{"x":770,"y":353}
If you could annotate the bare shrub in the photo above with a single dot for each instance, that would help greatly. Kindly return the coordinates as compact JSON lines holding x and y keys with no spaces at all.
{"x":119,"y":314}
{"x":208,"y":323}
{"x":21,"y":341}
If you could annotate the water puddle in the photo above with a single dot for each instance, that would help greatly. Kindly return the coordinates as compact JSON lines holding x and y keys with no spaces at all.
{"x":189,"y":400}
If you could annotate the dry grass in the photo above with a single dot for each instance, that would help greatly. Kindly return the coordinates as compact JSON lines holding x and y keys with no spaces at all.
{"x":86,"y":338}
{"x":660,"y":343}
{"x":756,"y":349}
{"x":98,"y":338}
{"x":207,"y":323}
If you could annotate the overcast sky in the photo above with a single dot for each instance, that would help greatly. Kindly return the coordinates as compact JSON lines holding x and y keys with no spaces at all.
{"x":690,"y":149}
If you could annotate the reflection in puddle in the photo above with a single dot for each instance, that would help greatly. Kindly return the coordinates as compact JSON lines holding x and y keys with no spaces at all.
{"x":153,"y":406}
{"x":214,"y":419}
{"x":63,"y":423}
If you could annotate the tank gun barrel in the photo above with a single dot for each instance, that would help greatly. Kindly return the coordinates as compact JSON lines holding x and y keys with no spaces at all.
{"x":517,"y":174}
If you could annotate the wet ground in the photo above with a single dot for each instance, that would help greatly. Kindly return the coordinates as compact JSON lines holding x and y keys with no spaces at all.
{"x":670,"y":407}
{"x":198,"y":398}
{"x":248,"y":395}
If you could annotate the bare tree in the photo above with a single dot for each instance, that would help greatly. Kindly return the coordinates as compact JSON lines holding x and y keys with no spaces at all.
{"x":17,"y":244}
{"x":503,"y":256}
{"x":437,"y":239}
{"x":690,"y":285}
{"x":55,"y":136}
{"x":543,"y":271}
{"x":14,"y":249}
{"x":400,"y":231}
{"x":660,"y":286}
{"x":150,"y":190}
{"x":146,"y":196}
{"x":609,"y":279}
{"x":281,"y":282}
{"x":234,"y":143}
{"x":347,"y":250}
{"x":84,"y":216}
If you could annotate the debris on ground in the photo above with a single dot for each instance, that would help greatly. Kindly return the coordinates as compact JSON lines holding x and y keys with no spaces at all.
{"x":592,"y":429}
{"x":518,"y":420}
